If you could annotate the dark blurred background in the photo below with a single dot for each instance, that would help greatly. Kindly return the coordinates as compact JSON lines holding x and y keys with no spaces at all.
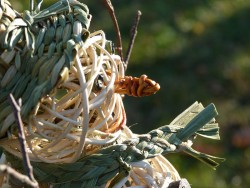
{"x":196,"y":51}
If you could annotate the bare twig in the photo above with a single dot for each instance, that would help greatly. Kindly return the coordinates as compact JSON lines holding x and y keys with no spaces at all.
{"x":17,"y":178}
{"x":111,"y":11}
{"x":17,"y":109}
{"x":31,"y":5}
{"x":132,"y":39}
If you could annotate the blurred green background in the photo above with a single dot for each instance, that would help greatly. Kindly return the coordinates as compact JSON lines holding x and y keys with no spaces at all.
{"x":196,"y":51}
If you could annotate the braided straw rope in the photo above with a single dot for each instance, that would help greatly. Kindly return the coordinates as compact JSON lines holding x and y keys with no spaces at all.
{"x":71,"y":87}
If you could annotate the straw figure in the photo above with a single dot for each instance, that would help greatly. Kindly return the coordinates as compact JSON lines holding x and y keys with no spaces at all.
{"x":71,"y":87}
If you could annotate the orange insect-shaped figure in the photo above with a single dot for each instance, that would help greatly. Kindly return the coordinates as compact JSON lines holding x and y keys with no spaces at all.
{"x":137,"y":87}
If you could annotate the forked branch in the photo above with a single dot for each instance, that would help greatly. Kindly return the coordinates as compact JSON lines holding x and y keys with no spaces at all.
{"x":111,"y":11}
{"x":17,"y":178}
{"x":17,"y":113}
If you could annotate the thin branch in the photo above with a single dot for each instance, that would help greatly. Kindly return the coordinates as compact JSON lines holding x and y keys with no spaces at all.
{"x":111,"y":11}
{"x":132,"y":39}
{"x":31,"y":6}
{"x":17,"y":109}
{"x":17,"y":178}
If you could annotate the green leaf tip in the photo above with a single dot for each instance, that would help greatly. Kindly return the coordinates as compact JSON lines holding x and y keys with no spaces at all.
{"x":200,"y":120}
{"x":209,"y":160}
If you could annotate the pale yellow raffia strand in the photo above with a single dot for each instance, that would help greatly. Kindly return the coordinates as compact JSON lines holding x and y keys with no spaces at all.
{"x":85,"y":107}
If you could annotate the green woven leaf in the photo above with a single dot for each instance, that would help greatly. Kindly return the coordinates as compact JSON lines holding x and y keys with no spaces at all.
{"x":210,"y":130}
{"x":44,"y":54}
{"x":198,"y":122}
{"x":186,"y":116}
